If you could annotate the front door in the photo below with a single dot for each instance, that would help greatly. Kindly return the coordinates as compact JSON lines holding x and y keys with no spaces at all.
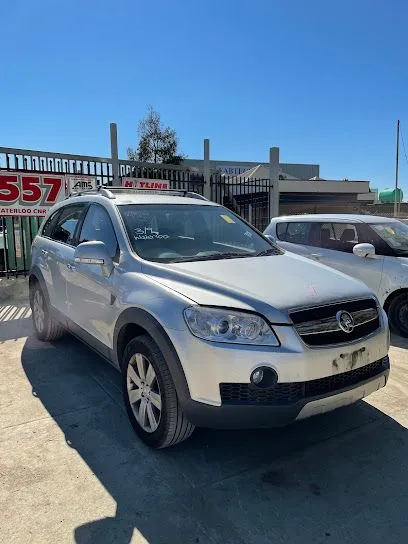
{"x":91,"y":294}
{"x":335,"y":243}
{"x":332,"y":243}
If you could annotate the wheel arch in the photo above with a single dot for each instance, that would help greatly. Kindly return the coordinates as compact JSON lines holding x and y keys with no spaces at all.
{"x":37,"y":277}
{"x":134,"y":322}
{"x":393,"y":296}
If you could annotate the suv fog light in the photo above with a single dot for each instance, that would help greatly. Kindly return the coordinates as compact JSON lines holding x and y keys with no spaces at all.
{"x":264,"y":377}
{"x":257,"y":376}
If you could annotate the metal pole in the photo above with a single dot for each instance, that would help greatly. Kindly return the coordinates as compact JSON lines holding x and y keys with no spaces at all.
{"x":274,"y":180}
{"x":207,"y":169}
{"x":396,"y":173}
{"x":114,"y":153}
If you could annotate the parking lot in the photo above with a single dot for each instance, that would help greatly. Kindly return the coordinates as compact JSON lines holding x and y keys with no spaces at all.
{"x":72,"y":470}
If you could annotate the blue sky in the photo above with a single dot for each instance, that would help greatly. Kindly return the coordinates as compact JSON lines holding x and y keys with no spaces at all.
{"x":323,"y":80}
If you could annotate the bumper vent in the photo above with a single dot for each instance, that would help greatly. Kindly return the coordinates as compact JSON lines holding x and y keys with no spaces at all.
{"x":290,"y":393}
{"x":319,"y":326}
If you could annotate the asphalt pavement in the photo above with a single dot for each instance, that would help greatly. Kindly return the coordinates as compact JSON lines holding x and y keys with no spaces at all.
{"x":72,"y":469}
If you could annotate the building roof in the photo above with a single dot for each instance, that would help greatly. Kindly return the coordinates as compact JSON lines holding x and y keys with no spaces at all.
{"x":340,"y":217}
{"x":261,"y":171}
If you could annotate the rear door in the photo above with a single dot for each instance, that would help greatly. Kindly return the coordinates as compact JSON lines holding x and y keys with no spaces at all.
{"x":56,"y":250}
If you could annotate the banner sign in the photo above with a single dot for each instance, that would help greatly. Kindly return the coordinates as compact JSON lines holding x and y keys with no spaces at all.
{"x":140,"y":183}
{"x":76,"y":184}
{"x":29,"y":194}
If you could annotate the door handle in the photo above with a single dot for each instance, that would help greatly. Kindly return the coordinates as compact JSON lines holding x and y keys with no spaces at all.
{"x":71,"y":267}
{"x":317,"y":256}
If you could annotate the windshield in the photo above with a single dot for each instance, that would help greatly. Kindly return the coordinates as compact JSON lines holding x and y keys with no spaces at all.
{"x":176,"y":233}
{"x":394,"y":234}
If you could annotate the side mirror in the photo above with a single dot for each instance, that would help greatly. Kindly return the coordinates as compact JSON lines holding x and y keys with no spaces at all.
{"x":364,"y":250}
{"x":271,"y":238}
{"x":94,"y":253}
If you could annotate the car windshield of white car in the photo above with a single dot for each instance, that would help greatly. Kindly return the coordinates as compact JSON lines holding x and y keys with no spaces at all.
{"x":393,"y":234}
{"x":183,"y":232}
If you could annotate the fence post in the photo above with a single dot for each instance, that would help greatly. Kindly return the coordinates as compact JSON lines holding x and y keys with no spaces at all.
{"x":207,"y":169}
{"x":114,"y":153}
{"x":274,"y":180}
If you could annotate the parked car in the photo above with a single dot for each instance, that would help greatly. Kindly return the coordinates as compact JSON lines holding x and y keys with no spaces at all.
{"x":370,"y":248}
{"x":208,"y":322}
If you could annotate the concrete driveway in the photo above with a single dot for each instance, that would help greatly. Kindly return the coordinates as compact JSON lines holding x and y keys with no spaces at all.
{"x":72,"y":470}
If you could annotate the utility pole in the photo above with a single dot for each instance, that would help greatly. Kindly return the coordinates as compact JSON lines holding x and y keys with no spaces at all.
{"x":114,"y":153}
{"x":207,"y":170}
{"x":274,"y":180}
{"x":396,"y":173}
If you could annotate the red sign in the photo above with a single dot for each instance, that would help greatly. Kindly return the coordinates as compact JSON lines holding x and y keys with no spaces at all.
{"x":140,"y":183}
{"x":29,"y":194}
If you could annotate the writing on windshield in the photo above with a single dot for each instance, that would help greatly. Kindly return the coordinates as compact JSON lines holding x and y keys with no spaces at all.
{"x":186,"y":232}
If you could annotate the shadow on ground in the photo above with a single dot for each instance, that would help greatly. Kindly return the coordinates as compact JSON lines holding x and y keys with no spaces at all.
{"x":399,"y":341}
{"x":15,"y":321}
{"x":342,"y":477}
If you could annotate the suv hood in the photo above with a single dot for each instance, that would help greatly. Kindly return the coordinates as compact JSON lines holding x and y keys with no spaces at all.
{"x":270,"y":285}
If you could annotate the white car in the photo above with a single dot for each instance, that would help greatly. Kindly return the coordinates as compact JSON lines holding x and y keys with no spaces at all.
{"x":370,"y":248}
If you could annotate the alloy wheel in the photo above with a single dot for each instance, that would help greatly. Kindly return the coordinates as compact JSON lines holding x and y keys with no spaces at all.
{"x":144,"y":392}
{"x":38,"y":311}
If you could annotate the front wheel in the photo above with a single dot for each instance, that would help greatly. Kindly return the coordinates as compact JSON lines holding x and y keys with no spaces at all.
{"x":150,"y":396}
{"x":398,"y":315}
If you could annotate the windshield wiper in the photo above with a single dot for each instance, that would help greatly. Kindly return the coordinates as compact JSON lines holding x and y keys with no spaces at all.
{"x":269,"y":251}
{"x":214,"y":257}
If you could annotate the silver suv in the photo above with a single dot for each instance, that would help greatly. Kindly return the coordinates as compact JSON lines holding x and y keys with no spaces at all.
{"x":209,"y":323}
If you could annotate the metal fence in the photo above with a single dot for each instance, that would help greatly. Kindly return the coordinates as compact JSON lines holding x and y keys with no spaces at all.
{"x":57,"y":163}
{"x":180,"y":177}
{"x":16,"y":236}
{"x":17,"y":233}
{"x":249,"y":198}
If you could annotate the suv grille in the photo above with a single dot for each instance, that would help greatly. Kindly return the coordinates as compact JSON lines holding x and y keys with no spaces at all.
{"x":319,"y":326}
{"x":290,"y":393}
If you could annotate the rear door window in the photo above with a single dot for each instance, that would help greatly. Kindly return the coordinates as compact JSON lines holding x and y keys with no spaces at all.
{"x":49,"y":225}
{"x":65,"y":227}
{"x":339,"y":236}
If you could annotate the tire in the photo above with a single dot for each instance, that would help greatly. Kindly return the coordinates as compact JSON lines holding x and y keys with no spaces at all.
{"x":398,"y":315}
{"x":146,"y":380}
{"x":45,"y":326}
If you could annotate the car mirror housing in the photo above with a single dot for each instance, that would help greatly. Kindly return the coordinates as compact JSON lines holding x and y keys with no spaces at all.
{"x":94,"y":253}
{"x":364,"y":250}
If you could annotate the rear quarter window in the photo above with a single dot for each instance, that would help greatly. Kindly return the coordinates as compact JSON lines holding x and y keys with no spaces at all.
{"x":295,"y":233}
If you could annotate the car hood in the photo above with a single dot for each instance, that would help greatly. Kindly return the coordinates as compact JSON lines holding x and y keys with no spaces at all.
{"x":271,"y":285}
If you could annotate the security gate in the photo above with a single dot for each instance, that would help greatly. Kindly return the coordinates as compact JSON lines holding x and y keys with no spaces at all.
{"x":249,"y":198}
{"x":17,"y":232}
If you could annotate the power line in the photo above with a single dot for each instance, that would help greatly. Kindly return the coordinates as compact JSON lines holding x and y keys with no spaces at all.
{"x":403,"y":146}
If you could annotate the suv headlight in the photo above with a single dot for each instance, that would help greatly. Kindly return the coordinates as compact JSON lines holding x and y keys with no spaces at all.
{"x":230,"y":326}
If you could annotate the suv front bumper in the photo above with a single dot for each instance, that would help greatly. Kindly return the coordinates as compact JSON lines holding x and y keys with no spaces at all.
{"x":242,"y":415}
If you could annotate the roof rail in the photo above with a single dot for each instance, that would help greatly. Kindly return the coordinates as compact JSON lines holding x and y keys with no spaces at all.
{"x":101,"y":190}
{"x":111,"y":191}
